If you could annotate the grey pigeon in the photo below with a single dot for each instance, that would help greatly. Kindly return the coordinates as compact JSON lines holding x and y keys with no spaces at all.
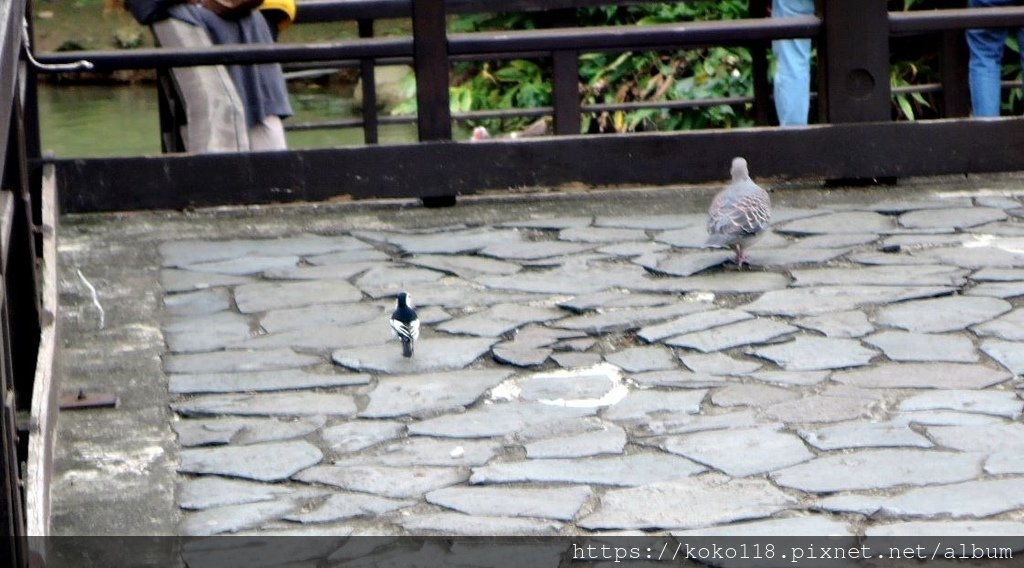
{"x":739,"y":213}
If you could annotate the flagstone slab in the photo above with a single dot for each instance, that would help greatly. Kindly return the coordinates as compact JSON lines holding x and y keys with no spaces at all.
{"x":560,"y":281}
{"x":237,"y":361}
{"x":998,"y":275}
{"x":234,"y":518}
{"x":687,"y":264}
{"x":558,"y":503}
{"x":861,"y":434}
{"x":500,"y":319}
{"x":632,"y":249}
{"x":389,"y":280}
{"x":1009,"y":354}
{"x":516,"y":249}
{"x":878,"y":469}
{"x":497,"y":419}
{"x":834,"y":404}
{"x":827,"y":299}
{"x":520,"y":356}
{"x":980,"y":438}
{"x":699,"y":321}
{"x":785,"y":257}
{"x":690,"y":503}
{"x":740,"y":452}
{"x":836,"y":240}
{"x":747,"y":332}
{"x":851,"y":222}
{"x":199,"y":302}
{"x":944,"y":418}
{"x":207,"y":492}
{"x":241,"y":431}
{"x":609,"y":439}
{"x":976,"y":256}
{"x":246,"y":265}
{"x":261,"y":462}
{"x":321,"y":272}
{"x":629,"y":470}
{"x":264,"y":296}
{"x":919,"y":275}
{"x":582,"y":385}
{"x":756,"y":395}
{"x":357,"y":435}
{"x":653,"y":222}
{"x":627,"y":319}
{"x":850,"y":324}
{"x":905,"y":205}
{"x":418,"y":451}
{"x":718,"y":364}
{"x":968,"y":529}
{"x":348,"y":257}
{"x":394,"y":482}
{"x":922,"y":375}
{"x":724,"y":282}
{"x":269,"y":404}
{"x":816,"y":353}
{"x":288,"y":379}
{"x":441,"y":241}
{"x":601,"y":234}
{"x":1008,"y":462}
{"x":641,"y":359}
{"x":957,"y":218}
{"x":466,"y":525}
{"x":429,"y":394}
{"x":432,"y":354}
{"x":644,"y":405}
{"x":910,"y":346}
{"x":551,"y":223}
{"x":613,"y":299}
{"x":677,"y":378}
{"x":655,"y":430}
{"x":977,"y":499}
{"x":174,"y":280}
{"x":791,"y":378}
{"x":1004,"y":290}
{"x":185,"y":252}
{"x":321,"y":315}
{"x":210,"y":332}
{"x":463,"y":265}
{"x":997,"y":403}
{"x":324,"y":337}
{"x":348,"y":505}
{"x":807,"y":525}
{"x":939,"y":315}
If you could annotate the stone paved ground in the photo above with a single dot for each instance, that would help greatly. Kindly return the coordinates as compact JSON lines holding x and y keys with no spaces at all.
{"x":584,"y":366}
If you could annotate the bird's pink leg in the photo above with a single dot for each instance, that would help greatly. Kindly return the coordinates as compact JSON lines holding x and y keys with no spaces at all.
{"x":741,"y":257}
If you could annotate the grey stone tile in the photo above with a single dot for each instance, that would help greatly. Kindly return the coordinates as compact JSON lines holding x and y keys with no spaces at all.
{"x":920,"y":275}
{"x":348,"y":257}
{"x":829,"y":299}
{"x":551,"y":223}
{"x":178,"y":280}
{"x":645,"y":405}
{"x":998,"y":275}
{"x":653,"y":222}
{"x":958,"y":218}
{"x":722,"y":282}
{"x":1004,"y":290}
{"x":261,"y":462}
{"x":878,"y":258}
{"x":945,"y":528}
{"x":910,"y":346}
{"x":576,"y":360}
{"x":319,"y":315}
{"x":629,"y":470}
{"x":631,"y":249}
{"x":347,"y":505}
{"x":748,"y":332}
{"x":429,"y":394}
{"x":691,"y":323}
{"x":499,"y":319}
{"x":684,"y":424}
{"x":432,"y":354}
{"x":756,"y":395}
{"x":459,"y":524}
{"x":269,"y":404}
{"x":795,"y":378}
{"x":558,"y":503}
{"x":1008,"y":462}
{"x":994,"y":402}
{"x":806,"y":525}
{"x":718,"y":364}
{"x":463,"y":265}
{"x":238,"y":361}
{"x":320,"y":272}
{"x":531,"y":250}
{"x":852,"y":222}
{"x":240,"y":431}
{"x":520,"y":356}
{"x":389,"y":280}
{"x":211,"y":332}
{"x":786,"y":257}
{"x":815,"y":353}
{"x":209,"y":492}
{"x":614,"y":299}
{"x":601,"y":234}
{"x":976,"y":257}
{"x":497,"y":419}
{"x":944,"y":418}
{"x":200,"y":302}
{"x":878,"y":469}
{"x":246,"y":265}
{"x":834,"y":404}
{"x":687,"y":263}
{"x":740,"y":452}
{"x":911,"y":241}
{"x":179,"y":253}
{"x":861,"y":434}
{"x":980,"y":438}
{"x":904,"y":205}
{"x":442,"y":241}
{"x":265,"y":296}
{"x":922,"y":375}
{"x":324,"y":337}
{"x":939,"y":315}
{"x":360,"y":434}
{"x":836,"y":240}
{"x":853,"y":323}
{"x":677,"y":379}
{"x":1009,"y":354}
{"x":609,"y":439}
{"x":977,"y":499}
{"x":396,"y":482}
{"x":691,"y":503}
{"x":558,"y":386}
{"x":235,"y":518}
{"x":564,"y":281}
{"x":417,"y":452}
{"x":288,"y":379}
{"x":640,"y":359}
{"x":627,"y":319}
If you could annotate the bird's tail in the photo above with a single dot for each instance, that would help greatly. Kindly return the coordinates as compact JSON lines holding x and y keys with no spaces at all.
{"x":406,"y":348}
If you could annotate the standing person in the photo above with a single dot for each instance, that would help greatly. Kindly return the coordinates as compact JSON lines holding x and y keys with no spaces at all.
{"x":792,"y":87}
{"x":261,"y":87}
{"x":986,"y":61}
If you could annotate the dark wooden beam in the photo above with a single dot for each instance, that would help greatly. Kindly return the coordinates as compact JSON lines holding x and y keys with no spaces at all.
{"x":431,"y":65}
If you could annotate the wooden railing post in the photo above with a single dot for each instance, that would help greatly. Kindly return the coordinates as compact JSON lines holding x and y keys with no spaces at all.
{"x":764,"y":112}
{"x":430,"y":51}
{"x":855,"y":63}
{"x":367,"y":72}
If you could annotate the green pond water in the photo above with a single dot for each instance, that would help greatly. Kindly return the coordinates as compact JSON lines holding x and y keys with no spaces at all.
{"x":100,"y":121}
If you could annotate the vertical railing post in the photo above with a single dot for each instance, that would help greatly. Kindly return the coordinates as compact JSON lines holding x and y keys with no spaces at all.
{"x":953,"y":62}
{"x":367,"y":72}
{"x":855,"y":65}
{"x":430,"y":51}
{"x":565,"y":80}
{"x":759,"y":59}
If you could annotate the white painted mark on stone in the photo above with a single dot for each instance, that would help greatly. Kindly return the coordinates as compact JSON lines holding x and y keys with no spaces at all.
{"x":95,"y":298}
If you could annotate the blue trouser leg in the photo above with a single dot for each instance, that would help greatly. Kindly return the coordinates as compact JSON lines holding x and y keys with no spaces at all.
{"x":792,"y":87}
{"x":986,"y":57}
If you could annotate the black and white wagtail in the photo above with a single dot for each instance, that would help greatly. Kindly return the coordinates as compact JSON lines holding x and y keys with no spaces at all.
{"x":405,"y":324}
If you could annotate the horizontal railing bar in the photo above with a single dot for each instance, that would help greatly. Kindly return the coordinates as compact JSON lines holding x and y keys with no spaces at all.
{"x":955,"y":19}
{"x":314,"y":11}
{"x":668,"y":105}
